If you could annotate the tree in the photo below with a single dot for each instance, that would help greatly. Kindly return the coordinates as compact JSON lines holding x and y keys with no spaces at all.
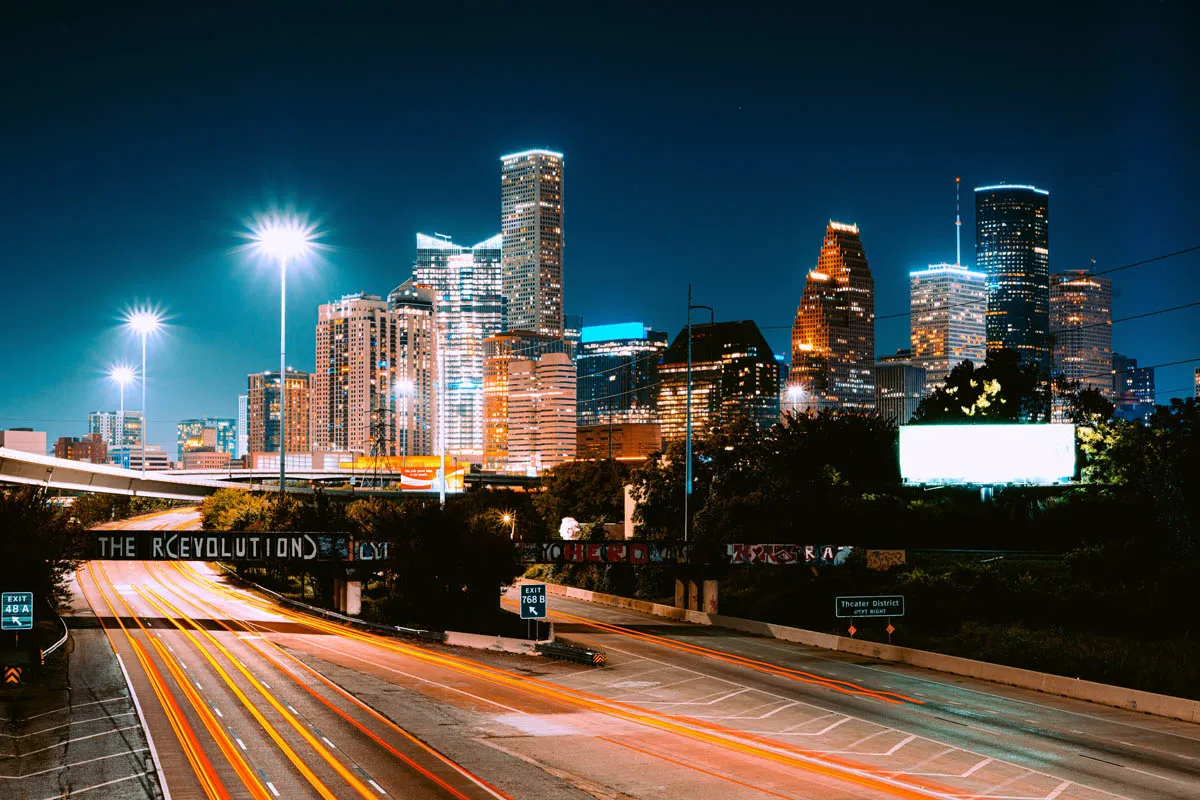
{"x":1004,"y":389}
{"x":40,"y":545}
{"x":589,"y":491}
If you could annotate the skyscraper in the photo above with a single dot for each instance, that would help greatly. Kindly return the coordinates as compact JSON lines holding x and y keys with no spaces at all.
{"x":352,"y":382}
{"x":217,"y":434}
{"x":1133,"y":387}
{"x":833,"y":338}
{"x":734,"y":374}
{"x":115,"y":430}
{"x":947,"y":310}
{"x":499,"y":352}
{"x":1012,"y":247}
{"x":243,"y":427}
{"x":469,"y":306}
{"x":541,"y":410}
{"x":1081,"y":329}
{"x":617,"y":368}
{"x":416,"y":363}
{"x":531,"y":208}
{"x":899,"y":387}
{"x":262,"y":404}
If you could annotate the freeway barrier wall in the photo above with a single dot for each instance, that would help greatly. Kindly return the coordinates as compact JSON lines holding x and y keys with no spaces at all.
{"x":1159,"y":705}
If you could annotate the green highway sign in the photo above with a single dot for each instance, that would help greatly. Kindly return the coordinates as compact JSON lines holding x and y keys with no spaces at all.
{"x":883,"y":605}
{"x":18,"y":611}
{"x":533,"y":601}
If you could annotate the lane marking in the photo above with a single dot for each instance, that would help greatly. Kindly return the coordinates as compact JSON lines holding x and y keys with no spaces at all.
{"x":67,"y":725}
{"x":15,"y":757}
{"x":1062,"y":787}
{"x":976,"y":768}
{"x":78,"y":705}
{"x":271,"y":786}
{"x":376,"y":785}
{"x":75,"y":764}
{"x":102,"y":785}
{"x":899,"y":744}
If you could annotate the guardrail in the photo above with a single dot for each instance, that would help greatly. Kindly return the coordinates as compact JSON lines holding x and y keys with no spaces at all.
{"x":412,"y":633}
{"x":569,"y":652}
{"x":59,"y":643}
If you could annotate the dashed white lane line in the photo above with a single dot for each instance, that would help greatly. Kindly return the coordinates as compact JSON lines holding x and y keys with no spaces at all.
{"x":326,"y":741}
{"x":292,"y":709}
{"x":218,"y":712}
{"x":274,"y":791}
{"x":378,"y":788}
{"x":241,"y":744}
{"x":264,"y":683}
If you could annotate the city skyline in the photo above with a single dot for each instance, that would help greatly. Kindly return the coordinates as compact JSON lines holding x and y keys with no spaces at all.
{"x":165,"y":236}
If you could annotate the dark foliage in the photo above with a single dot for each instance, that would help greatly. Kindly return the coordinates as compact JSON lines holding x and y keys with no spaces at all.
{"x":39,"y":545}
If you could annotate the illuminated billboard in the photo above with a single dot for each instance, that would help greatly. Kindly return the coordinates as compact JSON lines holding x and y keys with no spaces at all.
{"x":987,"y":455}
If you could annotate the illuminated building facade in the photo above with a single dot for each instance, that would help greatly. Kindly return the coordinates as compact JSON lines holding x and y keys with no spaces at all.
{"x":833,"y":338}
{"x":352,"y":382}
{"x":499,"y":352}
{"x":218,"y":434}
{"x":1196,"y":394}
{"x":617,"y":369}
{"x":900,"y":385}
{"x":243,"y":427}
{"x":90,"y":448}
{"x":623,"y":441}
{"x":115,"y":428}
{"x":469,"y":307}
{"x":262,"y":403}
{"x":541,"y":412}
{"x":414,"y":377}
{"x":734,"y":374}
{"x":1133,"y":389}
{"x":1081,"y":330}
{"x":947,"y":313}
{"x":1012,"y":247}
{"x":531,"y":208}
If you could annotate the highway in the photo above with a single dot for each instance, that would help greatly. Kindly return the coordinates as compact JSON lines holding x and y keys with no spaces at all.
{"x":244,"y":698}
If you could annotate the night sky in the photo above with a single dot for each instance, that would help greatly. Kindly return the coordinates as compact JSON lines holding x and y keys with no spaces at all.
{"x":709,"y":148}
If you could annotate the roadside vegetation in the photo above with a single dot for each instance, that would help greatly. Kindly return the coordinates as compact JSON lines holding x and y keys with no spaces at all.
{"x":39,"y":548}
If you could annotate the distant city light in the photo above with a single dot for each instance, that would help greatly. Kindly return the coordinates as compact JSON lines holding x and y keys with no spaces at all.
{"x":612,"y":333}
{"x":404,"y":387}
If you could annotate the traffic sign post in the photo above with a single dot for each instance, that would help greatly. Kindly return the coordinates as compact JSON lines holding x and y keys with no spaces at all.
{"x":533,"y":602}
{"x":885,"y":605}
{"x":17,"y":608}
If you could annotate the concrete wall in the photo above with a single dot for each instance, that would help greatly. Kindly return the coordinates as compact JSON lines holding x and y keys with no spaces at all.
{"x":1147,"y":702}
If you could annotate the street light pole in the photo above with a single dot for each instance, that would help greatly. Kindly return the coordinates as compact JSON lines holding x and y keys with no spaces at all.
{"x":144,"y":322}
{"x":687,"y":493}
{"x":145,"y":416}
{"x":282,"y":374}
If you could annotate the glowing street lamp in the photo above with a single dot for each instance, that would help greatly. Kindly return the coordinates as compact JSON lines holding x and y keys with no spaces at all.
{"x":795,"y":395}
{"x":122,"y":375}
{"x":283,"y":238}
{"x":510,"y":519}
{"x":145,"y":322}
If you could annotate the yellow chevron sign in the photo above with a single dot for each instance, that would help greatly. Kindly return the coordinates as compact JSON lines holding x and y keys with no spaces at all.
{"x":12,"y":676}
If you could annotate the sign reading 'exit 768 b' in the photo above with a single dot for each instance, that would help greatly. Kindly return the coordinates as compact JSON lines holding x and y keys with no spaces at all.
{"x":18,"y":611}
{"x":533,"y":601}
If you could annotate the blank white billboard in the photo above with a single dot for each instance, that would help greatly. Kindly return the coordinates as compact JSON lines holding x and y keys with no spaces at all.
{"x":987,"y":454}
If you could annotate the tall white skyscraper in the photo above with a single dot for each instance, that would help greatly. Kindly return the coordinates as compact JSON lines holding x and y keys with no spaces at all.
{"x":531,"y":207}
{"x":948,"y":319}
{"x":243,"y":427}
{"x":352,"y":382}
{"x":469,"y":307}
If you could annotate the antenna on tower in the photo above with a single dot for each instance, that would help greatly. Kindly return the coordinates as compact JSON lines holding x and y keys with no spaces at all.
{"x":957,"y":225}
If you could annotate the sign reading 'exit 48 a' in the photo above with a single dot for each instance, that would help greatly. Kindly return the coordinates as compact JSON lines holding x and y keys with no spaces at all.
{"x":18,"y":611}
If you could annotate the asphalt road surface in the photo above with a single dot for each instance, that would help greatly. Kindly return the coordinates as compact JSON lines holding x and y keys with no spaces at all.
{"x":244,"y":698}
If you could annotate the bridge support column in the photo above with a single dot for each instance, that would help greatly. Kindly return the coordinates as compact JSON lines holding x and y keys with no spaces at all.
{"x":352,"y":598}
{"x":710,"y":597}
{"x":680,"y":594}
{"x":693,"y":602}
{"x":339,"y":595}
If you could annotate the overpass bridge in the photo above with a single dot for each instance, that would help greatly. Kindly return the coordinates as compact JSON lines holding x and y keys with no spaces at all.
{"x":31,"y":469}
